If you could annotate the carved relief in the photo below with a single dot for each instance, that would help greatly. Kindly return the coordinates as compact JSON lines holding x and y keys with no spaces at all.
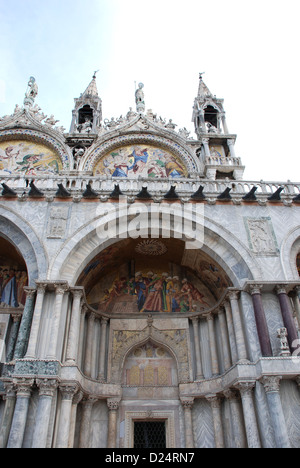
{"x":261,"y":236}
{"x":58,"y":222}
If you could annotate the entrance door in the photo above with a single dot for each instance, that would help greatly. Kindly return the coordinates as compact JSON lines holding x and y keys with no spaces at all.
{"x":150,"y":434}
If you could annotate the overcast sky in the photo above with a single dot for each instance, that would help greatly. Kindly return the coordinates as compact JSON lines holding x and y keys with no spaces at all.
{"x":249,"y":51}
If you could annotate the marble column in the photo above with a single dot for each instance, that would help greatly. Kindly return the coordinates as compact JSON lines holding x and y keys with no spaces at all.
{"x":261,"y":322}
{"x":76,"y":400}
{"x":73,"y":338}
{"x":212,"y":345}
{"x":47,"y":391}
{"x":231,"y":334}
{"x":188,"y":404}
{"x":25,"y":327}
{"x":16,"y":436}
{"x":205,"y":142}
{"x":199,"y":371}
{"x":55,"y":321}
{"x":237,"y":425}
{"x":225,"y":128}
{"x":238,"y":327}
{"x":104,"y":323}
{"x":296,"y":299}
{"x":272,"y":388}
{"x":224,"y":338}
{"x":215,"y":403}
{"x":85,"y":427}
{"x":16,"y":320}
{"x":288,"y":319}
{"x":113,"y":406}
{"x":230,"y":143}
{"x":35,"y":327}
{"x":89,"y":345}
{"x":7,"y":417}
{"x":252,"y":433}
{"x":63,"y":434}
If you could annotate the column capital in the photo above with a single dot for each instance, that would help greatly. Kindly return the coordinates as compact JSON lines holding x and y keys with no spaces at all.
{"x":104,"y":320}
{"x":231,"y":394}
{"x":68,"y":390}
{"x":47,"y":387}
{"x":271,"y":383}
{"x":233,"y":295}
{"x":16,"y":317}
{"x":187,"y":403}
{"x":245,"y":387}
{"x":214,"y":400}
{"x":60,"y":289}
{"x":113,"y":404}
{"x":23,"y":386}
{"x":41,"y":287}
{"x":281,"y":289}
{"x":77,"y":293}
{"x":30,"y":292}
{"x":255,"y":289}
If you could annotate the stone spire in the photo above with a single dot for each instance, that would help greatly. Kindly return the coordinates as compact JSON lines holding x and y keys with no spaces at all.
{"x":91,"y":90}
{"x":87,"y":114}
{"x":217,"y":150}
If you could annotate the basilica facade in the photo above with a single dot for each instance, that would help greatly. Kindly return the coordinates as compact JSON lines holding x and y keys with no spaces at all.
{"x":149,"y":294}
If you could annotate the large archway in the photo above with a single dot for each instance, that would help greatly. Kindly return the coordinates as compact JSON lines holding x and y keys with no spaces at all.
{"x":142,"y":276}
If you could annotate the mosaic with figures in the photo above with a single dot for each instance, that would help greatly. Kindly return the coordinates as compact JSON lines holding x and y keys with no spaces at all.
{"x":137,"y":160}
{"x":27,"y":158}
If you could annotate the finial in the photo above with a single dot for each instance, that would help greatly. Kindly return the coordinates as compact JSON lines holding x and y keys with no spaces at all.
{"x":94,"y":75}
{"x":200,"y":75}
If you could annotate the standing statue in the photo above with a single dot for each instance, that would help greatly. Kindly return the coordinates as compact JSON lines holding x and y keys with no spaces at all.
{"x":31,"y":93}
{"x":140,"y":99}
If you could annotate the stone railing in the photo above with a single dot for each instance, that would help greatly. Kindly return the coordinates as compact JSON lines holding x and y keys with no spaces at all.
{"x":76,"y":184}
{"x":219,"y":161}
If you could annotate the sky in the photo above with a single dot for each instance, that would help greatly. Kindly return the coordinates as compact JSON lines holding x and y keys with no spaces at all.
{"x":249,"y":51}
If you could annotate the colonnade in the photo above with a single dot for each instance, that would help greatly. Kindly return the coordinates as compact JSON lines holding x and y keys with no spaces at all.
{"x":86,"y":327}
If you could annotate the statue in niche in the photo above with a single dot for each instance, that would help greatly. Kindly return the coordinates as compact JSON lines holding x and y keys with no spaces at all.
{"x":85,"y":127}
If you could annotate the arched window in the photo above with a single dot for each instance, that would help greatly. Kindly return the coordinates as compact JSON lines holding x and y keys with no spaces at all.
{"x":211,"y":116}
{"x":85,"y":113}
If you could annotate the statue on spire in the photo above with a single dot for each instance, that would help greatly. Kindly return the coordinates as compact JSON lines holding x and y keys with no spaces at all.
{"x":140,"y":99}
{"x":31,"y":93}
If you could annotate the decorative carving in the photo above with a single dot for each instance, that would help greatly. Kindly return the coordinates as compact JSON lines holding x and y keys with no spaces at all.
{"x":175,"y":340}
{"x":58,"y":222}
{"x":151,"y":247}
{"x":271,"y":383}
{"x":284,"y":345}
{"x":261,"y":236}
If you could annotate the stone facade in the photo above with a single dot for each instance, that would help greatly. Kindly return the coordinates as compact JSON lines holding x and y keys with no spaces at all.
{"x":161,"y":286}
